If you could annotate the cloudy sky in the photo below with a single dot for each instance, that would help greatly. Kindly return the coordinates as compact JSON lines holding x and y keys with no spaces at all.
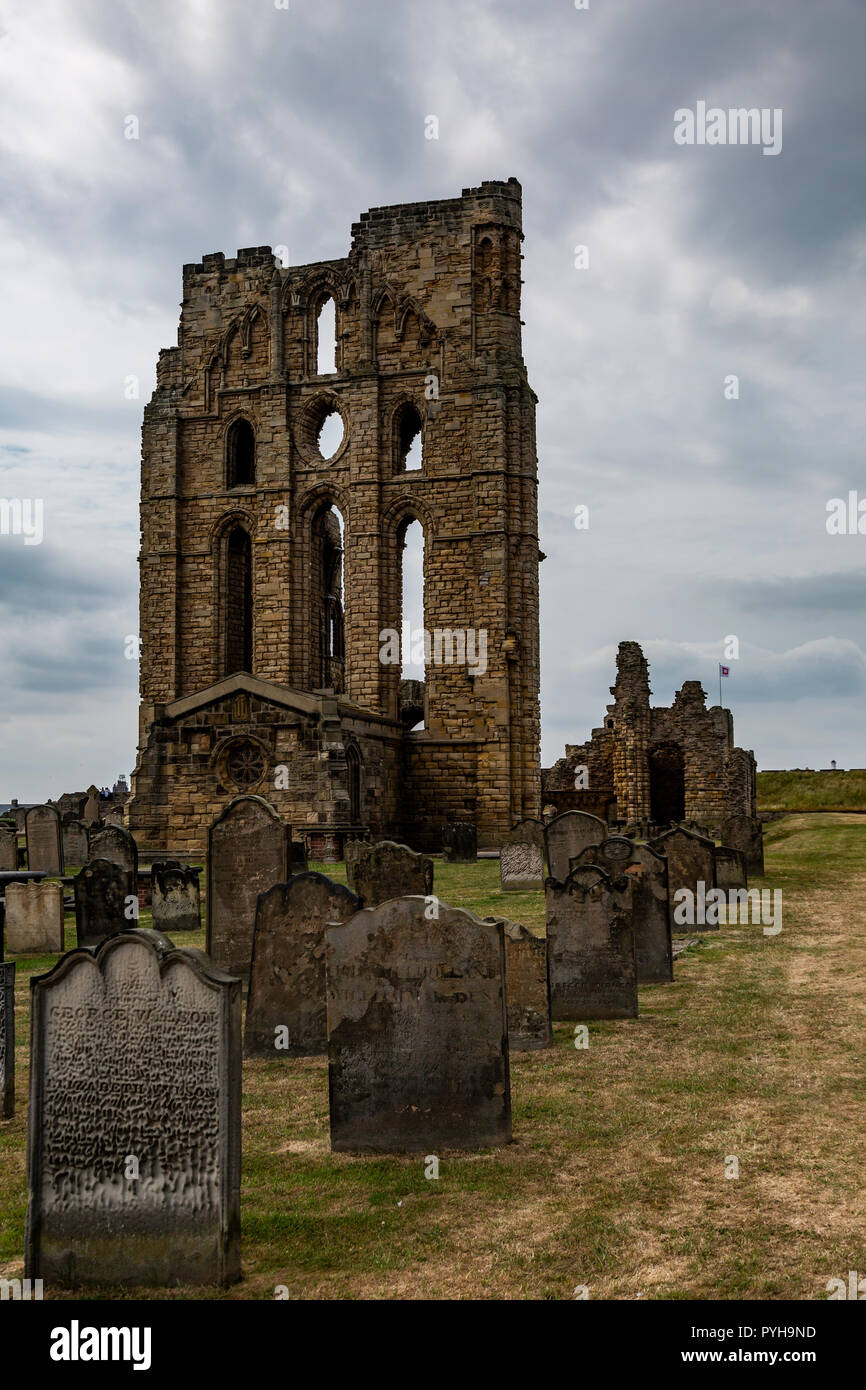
{"x":707,"y":515}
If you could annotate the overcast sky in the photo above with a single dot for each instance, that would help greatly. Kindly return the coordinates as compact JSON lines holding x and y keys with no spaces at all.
{"x":707,"y":516}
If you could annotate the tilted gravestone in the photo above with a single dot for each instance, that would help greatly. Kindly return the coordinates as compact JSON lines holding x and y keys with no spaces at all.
{"x":103,"y":903}
{"x":134,"y":1130}
{"x":286,"y":1014}
{"x":118,"y":846}
{"x":691,"y":862}
{"x":527,"y":988}
{"x":248,"y":852}
{"x":417,"y":1030}
{"x":745,"y":833}
{"x":459,"y":842}
{"x":566,"y":835}
{"x":7,"y":1040}
{"x":44,"y":842}
{"x":34,"y":918}
{"x":651,"y":919}
{"x":76,"y":846}
{"x":590,"y":945}
{"x":175,"y":898}
{"x":521,"y":858}
{"x":730,"y":867}
{"x":8,"y":850}
{"x":387,"y":870}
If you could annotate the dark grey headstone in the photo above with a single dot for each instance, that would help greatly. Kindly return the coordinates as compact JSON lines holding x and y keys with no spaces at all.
{"x":527,"y":989}
{"x":459,"y":842}
{"x":730,"y":867}
{"x":745,"y":833}
{"x":102,"y":902}
{"x":417,"y":1031}
{"x":248,"y":852}
{"x":388,"y":870}
{"x":567,"y":834}
{"x":287,"y":977}
{"x":590,"y":945}
{"x":135,"y":1054}
{"x":175,"y":898}
{"x":8,"y":850}
{"x":651,"y":918}
{"x":691,"y":861}
{"x":44,"y":843}
{"x":117,"y":845}
{"x":7,"y":1040}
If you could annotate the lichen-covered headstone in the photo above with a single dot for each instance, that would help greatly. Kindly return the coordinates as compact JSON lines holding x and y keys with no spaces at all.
{"x":175,"y":898}
{"x":566,"y":835}
{"x":44,"y":842}
{"x":691,"y":862}
{"x":34,"y":918}
{"x":7,"y":1039}
{"x":417,"y":1030}
{"x":387,"y":870}
{"x":103,"y":903}
{"x":286,"y":1014}
{"x":134,"y":1127}
{"x":248,"y":852}
{"x":650,"y":908}
{"x":459,"y":842}
{"x":590,"y":945}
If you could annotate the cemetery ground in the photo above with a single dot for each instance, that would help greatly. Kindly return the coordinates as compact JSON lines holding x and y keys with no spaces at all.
{"x":616,"y":1176}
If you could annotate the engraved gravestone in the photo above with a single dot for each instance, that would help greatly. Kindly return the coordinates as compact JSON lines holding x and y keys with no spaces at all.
{"x":745,"y":833}
{"x":590,"y":944}
{"x":527,"y":988}
{"x":248,"y":852}
{"x":691,"y":862}
{"x":175,"y":898}
{"x":34,"y":918}
{"x":351,"y":851}
{"x":118,"y":846}
{"x":566,"y":835}
{"x":417,"y":1031}
{"x":651,"y":918}
{"x":8,"y":850}
{"x":44,"y":843}
{"x":7,"y":1040}
{"x":103,"y":903}
{"x":286,"y":1007}
{"x":133,"y":1146}
{"x":459,"y":842}
{"x":76,"y":848}
{"x":521,"y":858}
{"x":387,"y":870}
{"x":730,"y":867}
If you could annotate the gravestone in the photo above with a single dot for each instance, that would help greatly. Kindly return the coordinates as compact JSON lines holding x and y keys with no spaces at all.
{"x":34,"y":918}
{"x":134,"y":1139}
{"x":527,"y":988}
{"x":696,"y":828}
{"x":8,"y":850}
{"x":745,"y":833}
{"x":44,"y":843}
{"x":566,"y":835}
{"x":387,"y":870}
{"x":102,"y":901}
{"x":651,"y":918}
{"x":175,"y":898}
{"x":299,"y":857}
{"x":521,"y":858}
{"x":91,"y":805}
{"x":118,"y":846}
{"x":730,"y":867}
{"x":590,"y":945}
{"x":459,"y":842}
{"x":286,"y":1014}
{"x":690,"y":861}
{"x":417,"y":1031}
{"x":76,"y":847}
{"x":351,"y":852}
{"x":7,"y":1040}
{"x":248,"y":852}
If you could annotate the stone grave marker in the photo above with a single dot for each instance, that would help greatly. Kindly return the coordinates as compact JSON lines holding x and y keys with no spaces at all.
{"x":102,"y":903}
{"x":286,"y":1014}
{"x":118,"y":846}
{"x":44,"y":843}
{"x":8,"y":850}
{"x":34,"y":918}
{"x":527,"y":988}
{"x":76,"y":846}
{"x":175,"y":897}
{"x":134,"y":1131}
{"x":387,"y":870}
{"x":248,"y":852}
{"x":730,"y":867}
{"x":651,"y":919}
{"x":745,"y":833}
{"x":691,"y":861}
{"x":521,"y":858}
{"x":590,"y":945}
{"x":459,"y":842}
{"x":566,"y":835}
{"x":417,"y":1031}
{"x":7,"y":1040}
{"x":91,"y":805}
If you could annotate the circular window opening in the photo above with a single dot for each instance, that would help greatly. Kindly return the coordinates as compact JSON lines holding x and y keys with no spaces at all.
{"x":245,"y":763}
{"x":330,"y":435}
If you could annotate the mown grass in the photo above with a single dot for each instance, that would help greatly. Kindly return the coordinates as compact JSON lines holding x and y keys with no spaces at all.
{"x":616,"y":1176}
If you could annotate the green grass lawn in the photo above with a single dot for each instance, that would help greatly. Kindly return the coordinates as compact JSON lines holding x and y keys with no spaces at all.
{"x":616,"y":1176}
{"x":812,"y":791}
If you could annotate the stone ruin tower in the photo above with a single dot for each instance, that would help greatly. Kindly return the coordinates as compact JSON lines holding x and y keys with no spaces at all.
{"x":269,"y":570}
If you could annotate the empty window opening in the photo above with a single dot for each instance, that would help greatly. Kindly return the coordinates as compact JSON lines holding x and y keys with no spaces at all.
{"x":326,"y":338}
{"x":240,"y":455}
{"x":412,"y":603}
{"x":238,"y":603}
{"x":330,"y":435}
{"x":353,"y":769}
{"x":410,"y":439}
{"x":328,"y":535}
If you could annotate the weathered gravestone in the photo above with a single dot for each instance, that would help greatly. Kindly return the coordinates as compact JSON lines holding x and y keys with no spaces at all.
{"x":104,"y":903}
{"x":8,"y":850}
{"x":91,"y":805}
{"x":7,"y":1040}
{"x":76,"y":846}
{"x":527,"y":988}
{"x":34,"y":917}
{"x":44,"y":843}
{"x":118,"y":846}
{"x":691,"y":862}
{"x":387,"y":870}
{"x":248,"y":852}
{"x":351,"y":852}
{"x":651,"y":919}
{"x":745,"y":833}
{"x":696,"y":828}
{"x":521,"y":858}
{"x":417,"y":1031}
{"x":175,"y":898}
{"x":566,"y":835}
{"x":299,"y":857}
{"x":286,"y":1014}
{"x":459,"y":842}
{"x":134,"y":1131}
{"x":590,"y":945}
{"x":730,"y":867}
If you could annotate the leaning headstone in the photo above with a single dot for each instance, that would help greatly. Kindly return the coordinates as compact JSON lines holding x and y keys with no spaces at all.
{"x":567,"y":834}
{"x":299,"y":857}
{"x":76,"y":847}
{"x":590,"y":945}
{"x":34,"y":918}
{"x":521,"y":858}
{"x":248,"y":852}
{"x":730,"y":867}
{"x":91,"y":805}
{"x":175,"y":898}
{"x":8,"y":850}
{"x":651,"y":920}
{"x":44,"y":843}
{"x":286,"y":1007}
{"x":388,"y":870}
{"x":7,"y":1040}
{"x":104,"y":904}
{"x":459,"y":842}
{"x":745,"y":833}
{"x":116,"y":844}
{"x":691,"y":863}
{"x":417,"y":1031}
{"x":527,"y":988}
{"x":134,"y":1138}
